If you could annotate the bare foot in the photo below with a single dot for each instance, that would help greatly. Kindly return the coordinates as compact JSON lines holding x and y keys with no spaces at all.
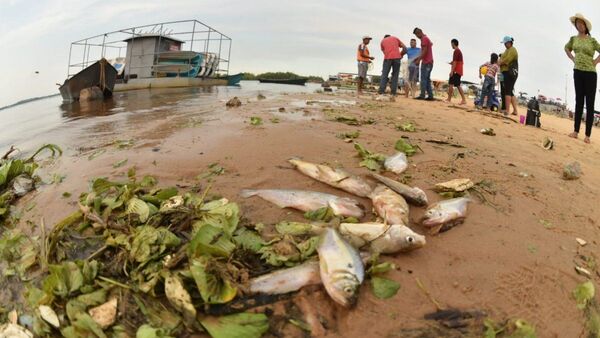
{"x":573,"y":135}
{"x":462,"y":103}
{"x":448,"y":101}
{"x":586,"y":140}
{"x":514,"y":113}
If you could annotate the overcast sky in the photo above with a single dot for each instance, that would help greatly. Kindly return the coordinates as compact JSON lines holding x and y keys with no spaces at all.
{"x":306,"y":37}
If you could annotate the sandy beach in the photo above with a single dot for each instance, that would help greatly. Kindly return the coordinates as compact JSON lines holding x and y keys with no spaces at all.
{"x":513,"y":257}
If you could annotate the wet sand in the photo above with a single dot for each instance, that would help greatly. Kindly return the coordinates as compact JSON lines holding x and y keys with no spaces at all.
{"x":502,"y":259}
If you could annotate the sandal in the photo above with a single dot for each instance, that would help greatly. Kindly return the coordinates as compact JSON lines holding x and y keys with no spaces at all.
{"x":573,"y":135}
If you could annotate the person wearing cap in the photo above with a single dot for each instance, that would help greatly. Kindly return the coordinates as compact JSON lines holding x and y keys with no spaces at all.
{"x":426,"y":59}
{"x":509,"y":65}
{"x":390,"y":46}
{"x":584,"y":72}
{"x":364,"y":59}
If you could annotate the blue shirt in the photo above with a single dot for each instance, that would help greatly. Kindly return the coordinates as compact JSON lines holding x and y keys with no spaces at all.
{"x":413,"y":53}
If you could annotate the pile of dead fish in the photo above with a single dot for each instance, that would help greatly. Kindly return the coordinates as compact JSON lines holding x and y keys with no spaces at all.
{"x":341,"y":269}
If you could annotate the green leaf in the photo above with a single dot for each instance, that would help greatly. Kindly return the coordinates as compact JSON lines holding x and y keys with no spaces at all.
{"x":147,"y":331}
{"x":324,"y":214}
{"x":226,"y":217}
{"x":210,"y":240}
{"x":490,"y":329}
{"x":120,"y":163}
{"x":149,"y":243}
{"x":240,"y":325}
{"x":138,"y":207}
{"x":371,"y":161}
{"x":408,"y":126}
{"x":294,"y":228}
{"x":213,"y":284}
{"x":83,"y":326}
{"x":523,"y":330}
{"x":384,"y":288}
{"x":64,"y":280}
{"x":157,"y":314}
{"x":248,"y":240}
{"x":255,"y":120}
{"x":381,"y":268}
{"x":583,"y":294}
{"x":405,"y":147}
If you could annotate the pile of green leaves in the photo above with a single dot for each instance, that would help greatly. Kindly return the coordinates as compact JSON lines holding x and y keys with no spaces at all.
{"x":406,"y":147}
{"x":169,"y":256}
{"x":371,"y":161}
{"x":17,"y":176}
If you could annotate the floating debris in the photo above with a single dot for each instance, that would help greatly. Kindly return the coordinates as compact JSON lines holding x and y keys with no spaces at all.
{"x":234,"y":102}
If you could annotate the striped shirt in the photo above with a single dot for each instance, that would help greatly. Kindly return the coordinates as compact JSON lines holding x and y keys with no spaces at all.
{"x":492,"y":69}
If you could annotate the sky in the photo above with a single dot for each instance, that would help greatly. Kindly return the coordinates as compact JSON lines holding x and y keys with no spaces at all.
{"x":309,"y":37}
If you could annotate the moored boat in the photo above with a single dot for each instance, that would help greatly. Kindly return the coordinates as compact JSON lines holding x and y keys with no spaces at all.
{"x":299,"y":81}
{"x":100,"y":74}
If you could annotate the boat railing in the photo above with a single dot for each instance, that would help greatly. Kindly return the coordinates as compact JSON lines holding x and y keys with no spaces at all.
{"x":193,"y":35}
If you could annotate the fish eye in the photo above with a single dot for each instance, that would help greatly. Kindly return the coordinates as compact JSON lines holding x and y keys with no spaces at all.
{"x":348,"y":290}
{"x":410,"y":239}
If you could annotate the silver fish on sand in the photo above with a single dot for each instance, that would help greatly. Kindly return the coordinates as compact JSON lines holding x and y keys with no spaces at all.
{"x":307,"y":200}
{"x":396,"y":163}
{"x":412,"y":195}
{"x":341,"y":268}
{"x":445,"y":214}
{"x":389,"y":205}
{"x":338,"y":178}
{"x":287,"y":280}
{"x":382,"y":238}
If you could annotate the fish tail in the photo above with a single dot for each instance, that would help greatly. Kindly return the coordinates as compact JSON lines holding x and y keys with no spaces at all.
{"x":245,"y":193}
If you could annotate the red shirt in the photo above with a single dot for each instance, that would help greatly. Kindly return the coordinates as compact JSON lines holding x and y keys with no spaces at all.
{"x":457,"y":58}
{"x":428,"y":57}
{"x":391,"y":47}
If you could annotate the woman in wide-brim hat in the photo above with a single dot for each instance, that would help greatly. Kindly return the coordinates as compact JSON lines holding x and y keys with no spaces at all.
{"x":584,"y":72}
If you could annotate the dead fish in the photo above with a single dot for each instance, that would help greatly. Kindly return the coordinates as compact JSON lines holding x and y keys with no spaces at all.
{"x":457,"y":185}
{"x":337,"y":178}
{"x":389,"y":205}
{"x":414,"y":195}
{"x":341,"y":268}
{"x":382,"y":238}
{"x":396,"y":163}
{"x":287,"y":280}
{"x":445,"y":214}
{"x":307,"y":200}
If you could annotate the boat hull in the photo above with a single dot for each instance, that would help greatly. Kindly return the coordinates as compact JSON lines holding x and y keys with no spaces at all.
{"x":299,"y":82}
{"x":90,"y":77}
{"x":168,"y":82}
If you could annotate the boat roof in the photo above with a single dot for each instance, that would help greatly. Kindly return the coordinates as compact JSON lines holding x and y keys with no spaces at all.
{"x":152,"y":35}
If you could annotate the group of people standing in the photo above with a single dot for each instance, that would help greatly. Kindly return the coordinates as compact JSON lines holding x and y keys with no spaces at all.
{"x":502,"y":68}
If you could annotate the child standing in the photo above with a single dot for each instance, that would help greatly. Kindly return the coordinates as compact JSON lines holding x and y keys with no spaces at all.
{"x":489,"y":83}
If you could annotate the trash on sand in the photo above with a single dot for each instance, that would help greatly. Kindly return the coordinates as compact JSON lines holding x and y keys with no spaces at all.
{"x":105,"y":314}
{"x":572,"y":171}
{"x":408,"y":127}
{"x":49,"y":315}
{"x":371,"y":161}
{"x":260,"y":97}
{"x":389,"y":205}
{"x":342,"y":270}
{"x":281,"y":110}
{"x":583,"y":271}
{"x":488,"y":131}
{"x":412,"y":195}
{"x":547,"y":143}
{"x":406,"y":147}
{"x":456,"y":185}
{"x":581,"y":242}
{"x":396,"y":163}
{"x":444,"y":215}
{"x":234,"y":102}
{"x":338,"y":178}
{"x":255,"y":120}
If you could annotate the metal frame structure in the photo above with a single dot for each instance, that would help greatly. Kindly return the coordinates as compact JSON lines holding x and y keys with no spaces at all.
{"x":84,"y":52}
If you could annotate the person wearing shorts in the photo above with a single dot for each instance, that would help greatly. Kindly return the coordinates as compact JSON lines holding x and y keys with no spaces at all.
{"x":509,"y":65}
{"x":364,"y":59}
{"x":456,"y":72}
{"x":412,"y":53}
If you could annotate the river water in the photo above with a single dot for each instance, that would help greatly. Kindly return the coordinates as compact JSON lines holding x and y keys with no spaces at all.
{"x":49,"y":120}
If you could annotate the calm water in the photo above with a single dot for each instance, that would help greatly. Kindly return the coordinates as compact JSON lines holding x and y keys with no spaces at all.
{"x":50,"y":121}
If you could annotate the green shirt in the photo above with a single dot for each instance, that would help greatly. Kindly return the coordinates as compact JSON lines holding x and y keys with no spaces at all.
{"x":584,"y":49}
{"x":509,"y":57}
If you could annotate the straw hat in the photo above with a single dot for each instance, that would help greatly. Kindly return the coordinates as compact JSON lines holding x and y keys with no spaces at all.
{"x":580,"y":16}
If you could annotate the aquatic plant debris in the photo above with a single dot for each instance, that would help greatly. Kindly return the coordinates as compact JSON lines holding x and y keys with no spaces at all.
{"x":406,"y":147}
{"x":256,"y":121}
{"x":371,"y":161}
{"x":407,"y":126}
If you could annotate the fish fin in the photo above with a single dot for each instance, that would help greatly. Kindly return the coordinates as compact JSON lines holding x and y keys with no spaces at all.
{"x":248,"y":193}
